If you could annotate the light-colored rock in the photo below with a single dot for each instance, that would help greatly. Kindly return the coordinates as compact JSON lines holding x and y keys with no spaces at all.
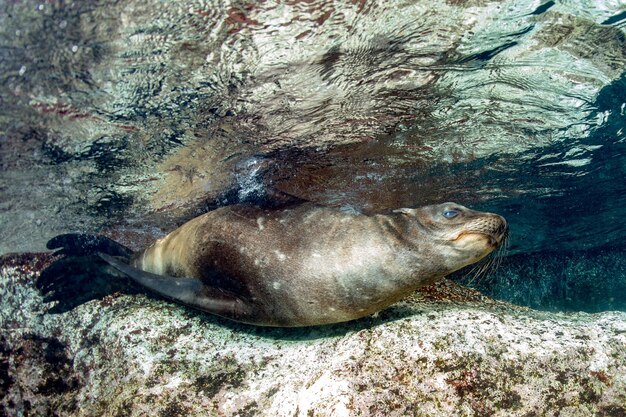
{"x":445,"y":351}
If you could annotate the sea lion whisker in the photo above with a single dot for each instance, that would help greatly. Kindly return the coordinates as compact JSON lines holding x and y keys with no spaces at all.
{"x":500,"y":253}
{"x":477,"y":271}
{"x":486,"y":269}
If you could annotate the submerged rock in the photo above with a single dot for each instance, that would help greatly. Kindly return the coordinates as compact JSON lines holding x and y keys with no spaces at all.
{"x":586,"y":280}
{"x":447,"y":350}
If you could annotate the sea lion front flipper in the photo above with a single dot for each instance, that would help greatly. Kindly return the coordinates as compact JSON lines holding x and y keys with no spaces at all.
{"x":191,"y":292}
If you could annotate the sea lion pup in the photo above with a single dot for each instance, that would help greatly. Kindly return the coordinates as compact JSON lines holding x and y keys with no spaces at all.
{"x":300,"y":265}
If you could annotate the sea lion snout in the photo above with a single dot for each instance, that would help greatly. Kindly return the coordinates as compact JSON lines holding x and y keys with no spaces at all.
{"x":492,"y":226}
{"x":501,"y":230}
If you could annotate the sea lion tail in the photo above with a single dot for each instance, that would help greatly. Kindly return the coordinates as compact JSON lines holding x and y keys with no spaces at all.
{"x":81,"y":275}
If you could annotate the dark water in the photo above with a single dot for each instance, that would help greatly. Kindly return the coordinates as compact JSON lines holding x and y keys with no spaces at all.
{"x":589,"y":280}
{"x":136,"y":116}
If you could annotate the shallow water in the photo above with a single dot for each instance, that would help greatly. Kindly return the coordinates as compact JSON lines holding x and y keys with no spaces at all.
{"x":135,"y":116}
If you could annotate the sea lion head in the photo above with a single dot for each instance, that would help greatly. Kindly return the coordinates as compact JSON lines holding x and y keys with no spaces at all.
{"x":460,"y":235}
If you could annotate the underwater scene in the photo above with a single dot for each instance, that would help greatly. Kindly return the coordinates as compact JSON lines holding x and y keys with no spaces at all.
{"x":344,"y":123}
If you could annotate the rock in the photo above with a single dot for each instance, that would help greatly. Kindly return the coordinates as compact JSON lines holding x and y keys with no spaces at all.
{"x":447,"y":350}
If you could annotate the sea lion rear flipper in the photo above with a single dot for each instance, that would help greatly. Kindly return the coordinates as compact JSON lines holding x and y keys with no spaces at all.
{"x":74,"y":280}
{"x":188,"y":291}
{"x":76,"y":244}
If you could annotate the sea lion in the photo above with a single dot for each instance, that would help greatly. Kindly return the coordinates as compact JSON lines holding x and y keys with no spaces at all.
{"x":300,"y":265}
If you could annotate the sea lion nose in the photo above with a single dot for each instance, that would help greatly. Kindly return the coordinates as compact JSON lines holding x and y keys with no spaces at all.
{"x":502,"y":225}
{"x":501,"y":228}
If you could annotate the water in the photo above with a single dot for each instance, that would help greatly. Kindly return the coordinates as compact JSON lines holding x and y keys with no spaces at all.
{"x":136,"y":116}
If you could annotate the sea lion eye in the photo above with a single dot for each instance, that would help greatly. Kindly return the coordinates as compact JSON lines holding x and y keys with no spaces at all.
{"x":450,"y":214}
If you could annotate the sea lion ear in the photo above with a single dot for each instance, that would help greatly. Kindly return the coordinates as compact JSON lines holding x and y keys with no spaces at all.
{"x":404,"y":210}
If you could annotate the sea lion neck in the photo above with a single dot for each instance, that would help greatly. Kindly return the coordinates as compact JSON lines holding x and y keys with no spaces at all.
{"x":405,"y":229}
